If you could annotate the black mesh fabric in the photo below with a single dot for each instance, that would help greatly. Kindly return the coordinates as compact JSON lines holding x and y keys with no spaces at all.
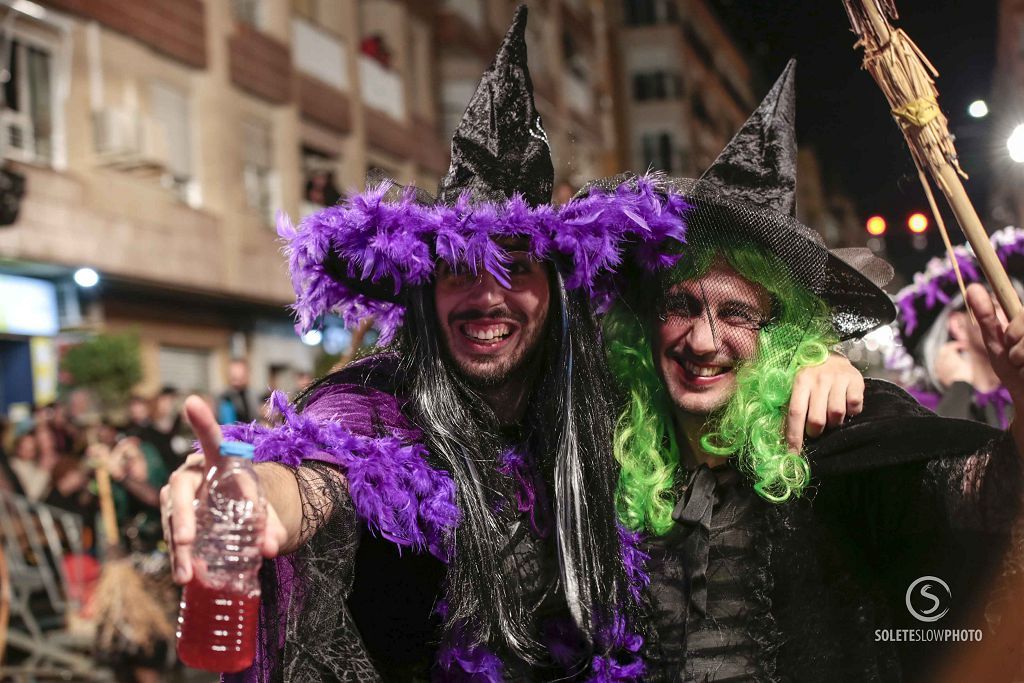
{"x":802,"y":587}
{"x":848,"y":280}
{"x":315,"y":634}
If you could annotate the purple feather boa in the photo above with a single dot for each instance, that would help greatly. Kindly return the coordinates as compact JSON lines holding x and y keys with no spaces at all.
{"x":392,"y":487}
{"x":531,"y":494}
{"x":398,"y":495}
{"x":396,"y":242}
{"x":619,"y":639}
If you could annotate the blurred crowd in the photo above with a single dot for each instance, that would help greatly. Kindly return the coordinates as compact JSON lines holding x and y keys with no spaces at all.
{"x":50,"y":457}
{"x":52,"y":454}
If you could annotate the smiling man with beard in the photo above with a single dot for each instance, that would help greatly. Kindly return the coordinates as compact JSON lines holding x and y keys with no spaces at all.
{"x":445,"y":508}
{"x":769,"y":562}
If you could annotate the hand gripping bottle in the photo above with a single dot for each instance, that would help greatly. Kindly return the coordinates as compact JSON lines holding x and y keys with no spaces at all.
{"x":219,"y":607}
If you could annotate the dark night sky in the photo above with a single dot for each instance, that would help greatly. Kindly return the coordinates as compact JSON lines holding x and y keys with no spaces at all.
{"x":843,"y":115}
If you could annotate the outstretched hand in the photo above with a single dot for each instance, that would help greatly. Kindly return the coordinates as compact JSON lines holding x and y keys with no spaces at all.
{"x":1005,"y":345}
{"x":178,"y":498}
{"x":1003,"y":341}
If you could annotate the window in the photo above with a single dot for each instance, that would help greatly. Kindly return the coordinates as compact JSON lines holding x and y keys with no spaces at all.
{"x":639,"y":12}
{"x":656,"y":85}
{"x":248,"y":12}
{"x":170,"y":108}
{"x":455,"y":95}
{"x":657,"y":151}
{"x":700,"y":110}
{"x":28,"y":111}
{"x":319,"y":187}
{"x":645,"y":12}
{"x":258,"y":169}
{"x":699,"y":46}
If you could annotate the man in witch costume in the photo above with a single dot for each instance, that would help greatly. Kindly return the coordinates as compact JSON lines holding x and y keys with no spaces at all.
{"x":446,"y":510}
{"x":939,"y":353}
{"x":481,"y":447}
{"x":767,"y":564}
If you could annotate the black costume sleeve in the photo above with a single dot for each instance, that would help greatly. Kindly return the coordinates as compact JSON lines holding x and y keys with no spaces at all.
{"x":910,"y":494}
{"x":312,"y":637}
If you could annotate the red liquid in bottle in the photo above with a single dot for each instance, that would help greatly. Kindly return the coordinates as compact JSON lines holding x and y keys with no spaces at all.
{"x":217,"y":629}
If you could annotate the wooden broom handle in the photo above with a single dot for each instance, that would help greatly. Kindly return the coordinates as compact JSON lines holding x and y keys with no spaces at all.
{"x":965,"y":214}
{"x":107,"y":513}
{"x":949,"y":182}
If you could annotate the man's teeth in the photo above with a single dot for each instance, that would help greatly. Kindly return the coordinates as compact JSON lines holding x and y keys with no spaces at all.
{"x":703,"y":370}
{"x":487,"y":333}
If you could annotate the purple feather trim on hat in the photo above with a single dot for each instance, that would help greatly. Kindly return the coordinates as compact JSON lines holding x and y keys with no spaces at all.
{"x":396,"y":243}
{"x":392,"y":487}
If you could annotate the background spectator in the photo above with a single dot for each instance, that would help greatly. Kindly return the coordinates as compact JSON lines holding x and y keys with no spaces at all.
{"x":234,"y":403}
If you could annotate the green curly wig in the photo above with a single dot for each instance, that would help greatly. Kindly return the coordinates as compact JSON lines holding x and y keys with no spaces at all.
{"x":751,"y":425}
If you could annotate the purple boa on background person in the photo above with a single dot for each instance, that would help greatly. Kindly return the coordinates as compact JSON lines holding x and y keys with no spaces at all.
{"x":395,"y":243}
{"x":920,"y":302}
{"x":399,"y":496}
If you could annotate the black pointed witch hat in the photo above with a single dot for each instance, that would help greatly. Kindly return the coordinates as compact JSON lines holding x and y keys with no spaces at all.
{"x":499,"y":148}
{"x":358,"y":258}
{"x":749,"y":192}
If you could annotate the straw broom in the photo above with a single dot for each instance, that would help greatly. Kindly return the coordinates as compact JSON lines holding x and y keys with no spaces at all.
{"x":906,"y":78}
{"x":127,"y":615}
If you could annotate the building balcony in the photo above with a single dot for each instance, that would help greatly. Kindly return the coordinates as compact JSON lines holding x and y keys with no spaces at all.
{"x":472,"y":12}
{"x":260,"y":65}
{"x":381,"y":88}
{"x":177,"y":30}
{"x":323,"y":104}
{"x":320,"y":54}
{"x":578,"y":94}
{"x":454,"y":30}
{"x":130,"y":228}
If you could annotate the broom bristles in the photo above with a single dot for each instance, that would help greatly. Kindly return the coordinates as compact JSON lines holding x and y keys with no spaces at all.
{"x":126,"y":612}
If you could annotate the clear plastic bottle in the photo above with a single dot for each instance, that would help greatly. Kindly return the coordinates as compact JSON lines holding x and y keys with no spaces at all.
{"x":220,"y":606}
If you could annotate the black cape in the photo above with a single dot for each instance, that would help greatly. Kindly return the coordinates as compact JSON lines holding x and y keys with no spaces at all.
{"x":897,"y":493}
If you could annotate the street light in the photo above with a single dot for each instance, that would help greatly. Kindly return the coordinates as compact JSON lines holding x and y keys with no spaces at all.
{"x":917,"y":223}
{"x":1015,"y":144}
{"x":978,"y":109}
{"x":312,"y":338}
{"x":876,"y":226}
{"x":86,"y":277}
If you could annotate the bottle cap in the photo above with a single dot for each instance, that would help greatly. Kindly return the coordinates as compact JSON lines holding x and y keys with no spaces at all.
{"x":237,"y":449}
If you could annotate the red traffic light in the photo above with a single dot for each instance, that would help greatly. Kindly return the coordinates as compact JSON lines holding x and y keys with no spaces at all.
{"x":876,"y":226}
{"x":917,"y":222}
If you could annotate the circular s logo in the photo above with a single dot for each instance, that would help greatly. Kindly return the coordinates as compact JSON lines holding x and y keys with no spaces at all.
{"x":927,"y":593}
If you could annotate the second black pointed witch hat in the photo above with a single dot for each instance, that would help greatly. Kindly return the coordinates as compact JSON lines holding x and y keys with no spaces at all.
{"x":749,"y":193}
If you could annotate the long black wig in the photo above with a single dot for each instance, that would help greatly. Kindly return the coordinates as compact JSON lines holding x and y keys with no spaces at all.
{"x":568,"y":428}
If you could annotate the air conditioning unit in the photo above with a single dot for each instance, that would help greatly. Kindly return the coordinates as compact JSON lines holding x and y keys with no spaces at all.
{"x":16,"y":139}
{"x":129,"y":141}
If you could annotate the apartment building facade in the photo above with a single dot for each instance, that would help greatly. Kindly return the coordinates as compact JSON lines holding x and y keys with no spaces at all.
{"x":158,"y":140}
{"x":683,"y":87}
